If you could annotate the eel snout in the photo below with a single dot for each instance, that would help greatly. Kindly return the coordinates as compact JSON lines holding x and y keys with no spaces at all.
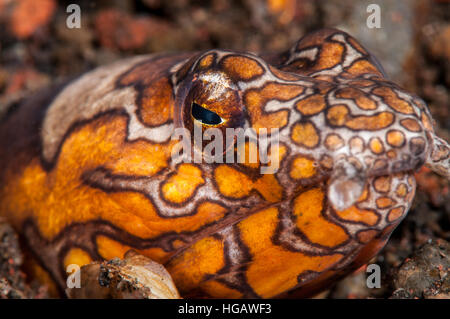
{"x":348,"y":180}
{"x":439,"y":158}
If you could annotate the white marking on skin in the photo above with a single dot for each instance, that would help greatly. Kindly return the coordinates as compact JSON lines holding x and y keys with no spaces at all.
{"x":294,"y":116}
{"x":351,"y":54}
{"x":178,"y":66}
{"x":217,"y":84}
{"x":331,"y":72}
{"x":136,"y":129}
{"x":91,"y":94}
{"x":310,"y":54}
{"x":346,"y":186}
{"x":269,"y":77}
{"x":274,"y":106}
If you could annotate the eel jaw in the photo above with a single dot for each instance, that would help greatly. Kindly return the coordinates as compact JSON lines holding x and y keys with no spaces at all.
{"x":439,"y":158}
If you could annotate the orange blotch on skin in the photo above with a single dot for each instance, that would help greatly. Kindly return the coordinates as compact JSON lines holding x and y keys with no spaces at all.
{"x":372,"y":123}
{"x":157,"y":103}
{"x":77,"y":256}
{"x":412,"y":183}
{"x":382,"y":184}
{"x":338,"y":115}
{"x":427,"y":122}
{"x":384,"y":202}
{"x":250,"y":147}
{"x":330,"y":55}
{"x":411,"y":125}
{"x":269,"y":188}
{"x":141,"y":159}
{"x":302,"y":167}
{"x":363,"y":67}
{"x":305,"y":134}
{"x":235,"y":184}
{"x":365,"y":194}
{"x":276,"y":154}
{"x":135,"y":214}
{"x":361,"y":99}
{"x":311,"y":105}
{"x":355,"y":214}
{"x":109,"y":248}
{"x":366,"y":235}
{"x":308,"y":211}
{"x":206,"y":61}
{"x":395,"y":138}
{"x":274,"y":269}
{"x":333,"y":142}
{"x":183,"y":184}
{"x":242,"y":68}
{"x":232,"y":183}
{"x":395,"y":213}
{"x":376,"y":145}
{"x":254,"y":103}
{"x":189,"y":269}
{"x":256,"y":99}
{"x":402,"y":190}
{"x":393,"y":100}
{"x":104,"y":145}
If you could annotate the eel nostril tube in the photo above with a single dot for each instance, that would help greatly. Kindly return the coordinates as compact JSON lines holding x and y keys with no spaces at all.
{"x":346,"y":185}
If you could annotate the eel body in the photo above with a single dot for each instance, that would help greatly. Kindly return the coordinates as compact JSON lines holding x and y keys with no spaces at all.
{"x":88,"y":170}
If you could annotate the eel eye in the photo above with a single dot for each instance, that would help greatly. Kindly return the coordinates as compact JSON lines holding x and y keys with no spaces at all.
{"x":205,"y":116}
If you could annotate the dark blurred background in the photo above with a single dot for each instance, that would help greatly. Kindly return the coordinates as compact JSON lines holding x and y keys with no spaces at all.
{"x":37,"y":49}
